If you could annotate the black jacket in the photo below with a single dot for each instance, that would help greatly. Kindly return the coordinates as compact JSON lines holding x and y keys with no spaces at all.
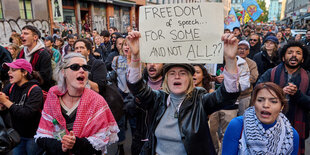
{"x":264,"y":62}
{"x":44,"y":67}
{"x":193,"y":115}
{"x":5,"y":57}
{"x":25,"y":112}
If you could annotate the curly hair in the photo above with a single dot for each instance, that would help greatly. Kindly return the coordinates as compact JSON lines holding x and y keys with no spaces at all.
{"x":206,"y":77}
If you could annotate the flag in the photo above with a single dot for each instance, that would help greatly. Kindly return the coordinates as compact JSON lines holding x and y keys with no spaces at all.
{"x":252,"y":9}
{"x":246,"y":18}
{"x":231,"y":20}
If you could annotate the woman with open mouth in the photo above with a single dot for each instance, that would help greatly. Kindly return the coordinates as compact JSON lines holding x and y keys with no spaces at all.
{"x":84,"y":115}
{"x":179,"y":112}
{"x":263,"y":129}
{"x":23,"y":100}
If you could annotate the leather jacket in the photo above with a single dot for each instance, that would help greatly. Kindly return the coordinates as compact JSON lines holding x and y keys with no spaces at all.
{"x":193,"y":115}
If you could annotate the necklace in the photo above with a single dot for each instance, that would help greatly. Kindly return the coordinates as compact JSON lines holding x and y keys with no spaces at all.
{"x":176,"y":113}
{"x":73,"y":95}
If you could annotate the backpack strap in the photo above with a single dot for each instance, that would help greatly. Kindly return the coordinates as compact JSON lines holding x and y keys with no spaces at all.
{"x":21,"y":54}
{"x":273,"y":73}
{"x":11,"y":88}
{"x":31,"y":89}
{"x":116,"y":62}
{"x":35,"y":58}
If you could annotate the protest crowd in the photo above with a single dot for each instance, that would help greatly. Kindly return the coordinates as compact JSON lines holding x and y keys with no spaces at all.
{"x":78,"y":93}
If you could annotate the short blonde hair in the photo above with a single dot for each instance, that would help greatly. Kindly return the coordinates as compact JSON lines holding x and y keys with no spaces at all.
{"x":189,"y":89}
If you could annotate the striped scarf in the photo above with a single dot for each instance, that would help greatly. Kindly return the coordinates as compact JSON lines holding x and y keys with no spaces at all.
{"x":277,"y":140}
{"x":94,"y":120}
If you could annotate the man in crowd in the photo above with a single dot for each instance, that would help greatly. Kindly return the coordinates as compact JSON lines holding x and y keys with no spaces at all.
{"x":35,"y":53}
{"x":288,"y":36}
{"x":106,"y":40}
{"x":245,"y":96}
{"x":68,"y":48}
{"x":55,"y":55}
{"x":112,"y":30}
{"x":295,"y":83}
{"x":255,"y":45}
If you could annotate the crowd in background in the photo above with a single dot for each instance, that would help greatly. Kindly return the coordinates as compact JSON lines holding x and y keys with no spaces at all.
{"x":262,"y":56}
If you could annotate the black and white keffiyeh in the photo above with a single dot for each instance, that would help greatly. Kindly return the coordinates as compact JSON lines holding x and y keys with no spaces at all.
{"x":277,"y":140}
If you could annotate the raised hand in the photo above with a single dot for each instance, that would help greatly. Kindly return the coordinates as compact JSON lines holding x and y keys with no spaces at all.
{"x":133,"y":42}
{"x":230,"y":52}
{"x":230,"y":46}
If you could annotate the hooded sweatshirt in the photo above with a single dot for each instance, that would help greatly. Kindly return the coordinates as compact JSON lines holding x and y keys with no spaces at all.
{"x":28,"y":54}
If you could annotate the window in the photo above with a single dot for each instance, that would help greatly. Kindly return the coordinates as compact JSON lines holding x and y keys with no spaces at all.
{"x":1,"y":14}
{"x":25,"y":9}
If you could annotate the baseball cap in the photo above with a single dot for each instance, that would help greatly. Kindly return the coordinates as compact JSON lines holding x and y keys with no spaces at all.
{"x":273,"y":39}
{"x":49,"y":38}
{"x":244,"y":42}
{"x":19,"y":64}
{"x":188,"y":67}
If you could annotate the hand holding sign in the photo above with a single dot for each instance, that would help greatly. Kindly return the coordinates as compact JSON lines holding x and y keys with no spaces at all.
{"x":133,"y":42}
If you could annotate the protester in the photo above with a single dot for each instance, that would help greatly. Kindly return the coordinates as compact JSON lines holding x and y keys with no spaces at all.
{"x":106,"y":40}
{"x":245,"y":96}
{"x":294,"y":80}
{"x":23,"y":99}
{"x":255,"y":45}
{"x":298,"y":37}
{"x":99,"y":49}
{"x":263,"y":129}
{"x":69,"y":47}
{"x":268,"y":57}
{"x":59,"y":43}
{"x":35,"y":53}
{"x":188,"y":120}
{"x":14,"y":50}
{"x":5,"y":57}
{"x":281,"y":40}
{"x":288,"y":36}
{"x":55,"y":54}
{"x":85,"y":115}
{"x":16,"y":39}
{"x":114,"y":53}
{"x":202,"y":78}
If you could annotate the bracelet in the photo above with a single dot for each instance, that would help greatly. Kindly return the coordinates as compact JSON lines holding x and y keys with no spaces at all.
{"x":135,"y":60}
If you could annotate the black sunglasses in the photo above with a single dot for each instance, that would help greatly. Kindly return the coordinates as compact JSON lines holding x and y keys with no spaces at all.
{"x":76,"y":67}
{"x":253,"y":40}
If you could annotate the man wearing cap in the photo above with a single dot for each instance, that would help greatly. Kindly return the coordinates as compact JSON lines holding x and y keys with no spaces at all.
{"x":35,"y":53}
{"x":268,"y":57}
{"x":245,"y":96}
{"x":49,"y":41}
{"x":294,"y":80}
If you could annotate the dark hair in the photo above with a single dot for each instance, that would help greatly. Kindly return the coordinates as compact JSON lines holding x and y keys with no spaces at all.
{"x":86,"y":42}
{"x":70,"y":36}
{"x":13,"y":30}
{"x":270,"y":86}
{"x":34,"y":75}
{"x":114,"y":28}
{"x":105,"y":33}
{"x":295,"y":44}
{"x":206,"y":77}
{"x":33,"y":30}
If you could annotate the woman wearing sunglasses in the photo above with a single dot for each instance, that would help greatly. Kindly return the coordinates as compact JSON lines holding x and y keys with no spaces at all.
{"x":23,"y":99}
{"x":89,"y":123}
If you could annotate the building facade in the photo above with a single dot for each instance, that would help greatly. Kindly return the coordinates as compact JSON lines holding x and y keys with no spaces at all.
{"x":297,"y":11}
{"x":32,"y":12}
{"x":237,"y":4}
{"x":274,"y":11}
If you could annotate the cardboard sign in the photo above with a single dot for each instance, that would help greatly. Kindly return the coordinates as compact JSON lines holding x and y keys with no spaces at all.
{"x":182,"y":33}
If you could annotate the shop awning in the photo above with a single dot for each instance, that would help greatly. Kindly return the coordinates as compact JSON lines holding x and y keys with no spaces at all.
{"x":124,"y":3}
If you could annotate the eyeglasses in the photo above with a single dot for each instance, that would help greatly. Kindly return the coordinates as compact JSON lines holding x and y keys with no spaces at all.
{"x":244,"y":49}
{"x":253,"y":40}
{"x":76,"y":67}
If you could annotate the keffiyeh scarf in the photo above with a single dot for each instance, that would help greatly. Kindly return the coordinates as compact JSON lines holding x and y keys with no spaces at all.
{"x":94,"y":119}
{"x":277,"y":140}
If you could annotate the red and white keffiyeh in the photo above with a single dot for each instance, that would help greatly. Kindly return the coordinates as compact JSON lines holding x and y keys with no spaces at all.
{"x":94,"y":119}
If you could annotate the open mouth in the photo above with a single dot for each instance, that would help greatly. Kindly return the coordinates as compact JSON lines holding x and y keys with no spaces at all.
{"x":265,"y":113}
{"x":80,"y":78}
{"x":11,"y":77}
{"x":152,"y":70}
{"x":177,"y":83}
